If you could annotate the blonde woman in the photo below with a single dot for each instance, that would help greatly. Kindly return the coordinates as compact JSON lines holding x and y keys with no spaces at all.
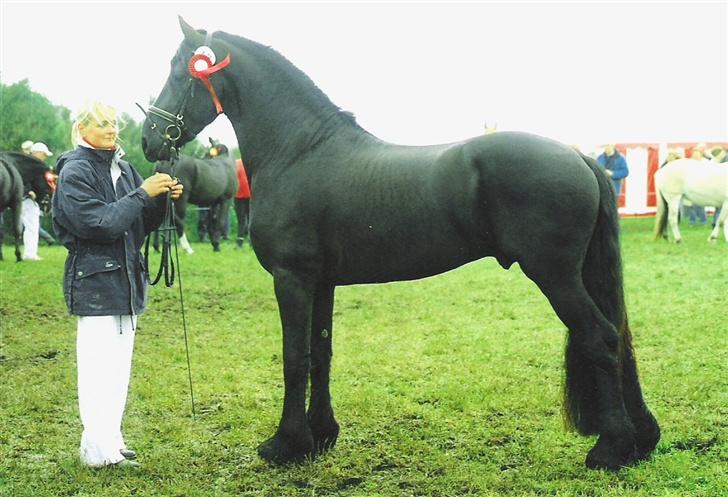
{"x":102,"y":210}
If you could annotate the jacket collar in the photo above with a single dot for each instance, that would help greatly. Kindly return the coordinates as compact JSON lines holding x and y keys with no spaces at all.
{"x":100,"y":157}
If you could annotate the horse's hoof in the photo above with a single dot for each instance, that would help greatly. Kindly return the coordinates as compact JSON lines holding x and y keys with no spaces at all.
{"x":646,"y":437}
{"x":281,"y":449}
{"x":678,"y":240}
{"x":611,"y":454}
{"x":324,"y":435}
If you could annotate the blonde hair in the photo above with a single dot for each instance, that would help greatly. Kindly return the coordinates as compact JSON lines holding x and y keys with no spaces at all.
{"x":92,"y":111}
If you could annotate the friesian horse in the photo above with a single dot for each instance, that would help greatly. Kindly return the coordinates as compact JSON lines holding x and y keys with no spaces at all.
{"x":11,"y":197}
{"x":702,"y":182}
{"x":210,"y":182}
{"x":20,"y":173}
{"x":334,"y":205}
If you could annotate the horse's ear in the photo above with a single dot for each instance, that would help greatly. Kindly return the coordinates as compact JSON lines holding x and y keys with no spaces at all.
{"x":191,"y":34}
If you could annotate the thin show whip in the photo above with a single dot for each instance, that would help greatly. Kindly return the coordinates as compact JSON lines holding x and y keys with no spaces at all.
{"x":168,"y":233}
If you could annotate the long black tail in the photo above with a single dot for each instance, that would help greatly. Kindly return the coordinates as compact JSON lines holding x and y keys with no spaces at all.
{"x":661,"y":217}
{"x":602,"y":276}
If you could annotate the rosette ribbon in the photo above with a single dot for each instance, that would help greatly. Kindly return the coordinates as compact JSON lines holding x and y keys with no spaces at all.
{"x":201,"y":66}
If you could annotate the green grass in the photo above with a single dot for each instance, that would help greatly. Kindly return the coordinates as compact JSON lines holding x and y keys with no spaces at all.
{"x":448,"y":386}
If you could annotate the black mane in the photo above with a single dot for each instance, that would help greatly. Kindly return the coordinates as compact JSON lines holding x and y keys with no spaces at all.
{"x":293,"y":79}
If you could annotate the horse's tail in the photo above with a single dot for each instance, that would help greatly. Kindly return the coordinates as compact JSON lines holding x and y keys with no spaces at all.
{"x":602,"y":276}
{"x":660,"y":216}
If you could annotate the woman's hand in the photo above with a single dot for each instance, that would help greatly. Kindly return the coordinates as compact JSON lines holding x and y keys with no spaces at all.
{"x":162,"y":183}
{"x":177,"y":189}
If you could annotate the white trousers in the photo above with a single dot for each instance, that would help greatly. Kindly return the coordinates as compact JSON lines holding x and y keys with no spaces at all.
{"x":103,"y":353}
{"x":30,"y":215}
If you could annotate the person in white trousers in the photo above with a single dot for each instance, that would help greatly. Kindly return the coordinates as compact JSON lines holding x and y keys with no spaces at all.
{"x":104,"y":346}
{"x":102,"y":209}
{"x":30,"y":215}
{"x":30,"y":212}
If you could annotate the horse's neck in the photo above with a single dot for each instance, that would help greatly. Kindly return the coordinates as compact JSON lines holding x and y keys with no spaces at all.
{"x":287,"y":116}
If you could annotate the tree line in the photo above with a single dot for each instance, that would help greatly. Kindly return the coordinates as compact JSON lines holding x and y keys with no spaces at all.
{"x":29,"y":115}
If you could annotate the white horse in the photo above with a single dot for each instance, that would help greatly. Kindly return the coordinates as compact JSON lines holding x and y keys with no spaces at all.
{"x":702,"y":182}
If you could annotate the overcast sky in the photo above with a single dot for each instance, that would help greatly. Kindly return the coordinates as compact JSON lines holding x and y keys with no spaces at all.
{"x":414,"y":73}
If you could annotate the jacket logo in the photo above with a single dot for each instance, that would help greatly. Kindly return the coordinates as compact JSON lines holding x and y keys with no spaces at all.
{"x":109,"y":264}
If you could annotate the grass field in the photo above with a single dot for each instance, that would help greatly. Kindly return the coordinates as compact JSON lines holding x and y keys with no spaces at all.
{"x":448,"y":386}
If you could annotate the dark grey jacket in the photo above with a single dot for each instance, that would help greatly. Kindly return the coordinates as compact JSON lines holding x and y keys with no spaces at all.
{"x":103,"y":232}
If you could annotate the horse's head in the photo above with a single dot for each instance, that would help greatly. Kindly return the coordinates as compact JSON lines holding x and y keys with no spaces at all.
{"x":45,"y":190}
{"x":189,"y":101}
{"x":217,"y":149}
{"x":43,"y":184}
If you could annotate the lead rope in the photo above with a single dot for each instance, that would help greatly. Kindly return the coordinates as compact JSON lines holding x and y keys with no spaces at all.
{"x":168,"y":233}
{"x":184,"y":324}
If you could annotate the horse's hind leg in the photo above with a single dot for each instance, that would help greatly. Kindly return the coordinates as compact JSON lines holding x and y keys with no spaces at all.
{"x":320,"y":415}
{"x":2,"y":235}
{"x":673,"y":212}
{"x":647,"y":430}
{"x":592,"y":365}
{"x":721,"y":221}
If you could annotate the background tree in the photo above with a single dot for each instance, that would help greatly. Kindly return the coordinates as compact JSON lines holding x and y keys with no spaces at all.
{"x":27,"y":115}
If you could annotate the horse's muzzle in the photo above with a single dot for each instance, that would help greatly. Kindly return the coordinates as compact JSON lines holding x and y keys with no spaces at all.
{"x":154,"y":152}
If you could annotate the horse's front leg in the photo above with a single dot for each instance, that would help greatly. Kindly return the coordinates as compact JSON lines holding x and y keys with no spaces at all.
{"x":320,"y":415}
{"x":180,"y":212}
{"x":17,"y":225}
{"x":216,"y":225}
{"x":293,"y":440}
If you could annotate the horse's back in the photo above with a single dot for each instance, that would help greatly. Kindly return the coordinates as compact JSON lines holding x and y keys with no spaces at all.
{"x":11,"y":184}
{"x":702,"y":182}
{"x":207,"y":181}
{"x":391,"y":212}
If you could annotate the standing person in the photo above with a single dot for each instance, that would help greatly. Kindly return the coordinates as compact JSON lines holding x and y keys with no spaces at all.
{"x":31,"y":211}
{"x":102,"y":210}
{"x":242,"y":203}
{"x":40,"y":151}
{"x":696,"y":213}
{"x":615,"y":165}
{"x":26,"y":146}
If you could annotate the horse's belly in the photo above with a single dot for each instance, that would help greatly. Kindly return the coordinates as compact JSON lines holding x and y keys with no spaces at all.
{"x":711,"y":192}
{"x":398,"y":259}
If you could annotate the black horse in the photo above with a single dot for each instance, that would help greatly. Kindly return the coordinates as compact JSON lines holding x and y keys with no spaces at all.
{"x":11,"y":196}
{"x":333,"y":205}
{"x":210,"y":182}
{"x":19,"y":174}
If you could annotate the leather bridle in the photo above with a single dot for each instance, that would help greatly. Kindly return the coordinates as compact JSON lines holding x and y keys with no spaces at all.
{"x":201,"y":66}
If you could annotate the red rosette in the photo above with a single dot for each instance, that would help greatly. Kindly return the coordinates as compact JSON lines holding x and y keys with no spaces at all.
{"x":199,"y":73}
